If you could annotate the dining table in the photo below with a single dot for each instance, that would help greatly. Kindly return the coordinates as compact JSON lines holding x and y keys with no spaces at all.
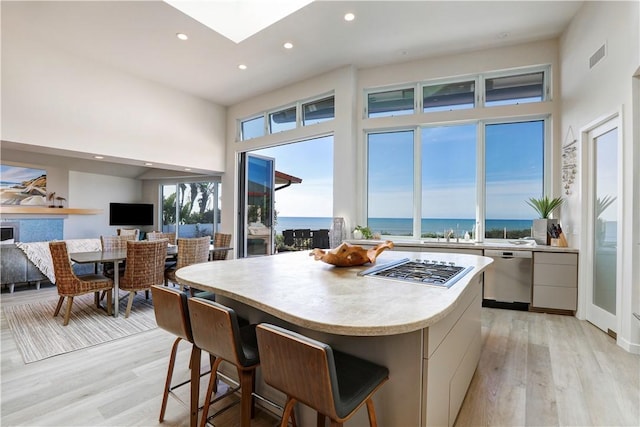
{"x":118,"y":256}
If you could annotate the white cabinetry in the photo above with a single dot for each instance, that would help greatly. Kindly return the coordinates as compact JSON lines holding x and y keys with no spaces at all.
{"x":451,"y":355}
{"x":555,"y":281}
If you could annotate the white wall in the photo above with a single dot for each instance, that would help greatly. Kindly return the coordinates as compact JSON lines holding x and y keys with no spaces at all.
{"x":93,"y":191}
{"x":53,"y":99}
{"x":589,"y":95}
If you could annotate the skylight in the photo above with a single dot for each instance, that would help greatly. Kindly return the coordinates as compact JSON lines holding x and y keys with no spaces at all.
{"x":238,"y":20}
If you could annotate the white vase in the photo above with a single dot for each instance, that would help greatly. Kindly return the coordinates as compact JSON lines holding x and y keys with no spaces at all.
{"x":357,"y":234}
{"x":540,"y":230}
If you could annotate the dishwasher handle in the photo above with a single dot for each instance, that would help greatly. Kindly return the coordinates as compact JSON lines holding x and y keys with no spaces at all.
{"x":507,"y":254}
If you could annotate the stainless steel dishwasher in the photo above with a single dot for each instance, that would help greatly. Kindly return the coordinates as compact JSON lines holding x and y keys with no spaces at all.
{"x":507,"y":282}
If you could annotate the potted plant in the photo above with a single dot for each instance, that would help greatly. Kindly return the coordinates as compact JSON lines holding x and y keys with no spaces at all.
{"x":545,"y":207}
{"x":361,"y":232}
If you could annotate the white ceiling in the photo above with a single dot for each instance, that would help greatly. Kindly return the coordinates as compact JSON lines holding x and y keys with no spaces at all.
{"x":139,"y":37}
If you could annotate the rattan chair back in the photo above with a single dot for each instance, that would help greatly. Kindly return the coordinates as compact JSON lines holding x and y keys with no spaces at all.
{"x":220,"y":240}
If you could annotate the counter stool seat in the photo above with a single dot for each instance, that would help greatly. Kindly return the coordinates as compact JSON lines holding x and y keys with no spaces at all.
{"x":333,"y":383}
{"x":172,"y":314}
{"x":217,"y":330}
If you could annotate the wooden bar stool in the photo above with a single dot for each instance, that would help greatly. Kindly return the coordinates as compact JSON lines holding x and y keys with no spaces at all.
{"x":217,"y":331}
{"x":172,"y":315}
{"x":333,"y":383}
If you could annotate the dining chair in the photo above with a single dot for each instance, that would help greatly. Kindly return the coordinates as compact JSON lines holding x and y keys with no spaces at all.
{"x":70,"y":285}
{"x":114,"y":243}
{"x":157,"y":235}
{"x":144,"y":267}
{"x":192,"y":250}
{"x":221,"y":240}
{"x":333,"y":383}
{"x":129,"y":232}
{"x":216,"y":329}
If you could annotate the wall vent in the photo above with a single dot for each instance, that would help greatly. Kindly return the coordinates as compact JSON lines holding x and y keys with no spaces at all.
{"x":597,"y":56}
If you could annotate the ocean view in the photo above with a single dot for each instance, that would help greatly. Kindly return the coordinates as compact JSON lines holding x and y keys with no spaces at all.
{"x":403,"y":226}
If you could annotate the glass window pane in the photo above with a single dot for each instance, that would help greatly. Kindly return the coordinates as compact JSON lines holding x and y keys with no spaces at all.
{"x":390,"y":183}
{"x":514,"y":163}
{"x":448,"y":180}
{"x":169,"y":199}
{"x":318,"y":111}
{"x":252,"y":128}
{"x":390,"y":103}
{"x":447,"y":97}
{"x":518,"y":89}
{"x":606,"y":221}
{"x":282,"y":120}
{"x":196,"y":209}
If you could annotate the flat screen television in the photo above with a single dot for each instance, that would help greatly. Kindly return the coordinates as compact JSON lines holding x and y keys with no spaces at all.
{"x":130,"y":214}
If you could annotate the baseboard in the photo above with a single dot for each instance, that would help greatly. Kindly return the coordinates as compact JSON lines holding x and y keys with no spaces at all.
{"x":633,"y":348}
{"x":519,"y":306}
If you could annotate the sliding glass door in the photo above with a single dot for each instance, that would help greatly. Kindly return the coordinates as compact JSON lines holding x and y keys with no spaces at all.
{"x":191,"y":209}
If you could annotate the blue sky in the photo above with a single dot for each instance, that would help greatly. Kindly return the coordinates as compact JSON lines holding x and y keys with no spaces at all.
{"x":313,"y":162}
{"x":513,"y":164}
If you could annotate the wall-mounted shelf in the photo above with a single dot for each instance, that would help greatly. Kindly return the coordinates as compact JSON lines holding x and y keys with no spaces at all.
{"x":43,"y":210}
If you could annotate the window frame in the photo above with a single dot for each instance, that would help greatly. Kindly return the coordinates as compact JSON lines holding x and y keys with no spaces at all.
{"x":480,"y":216}
{"x":266,"y":115}
{"x":413,"y":86}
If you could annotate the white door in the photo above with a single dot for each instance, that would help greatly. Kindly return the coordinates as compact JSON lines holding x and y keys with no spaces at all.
{"x":604,"y":217}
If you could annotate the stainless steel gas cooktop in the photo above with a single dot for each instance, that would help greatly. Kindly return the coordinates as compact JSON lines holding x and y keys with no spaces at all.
{"x":435,"y":273}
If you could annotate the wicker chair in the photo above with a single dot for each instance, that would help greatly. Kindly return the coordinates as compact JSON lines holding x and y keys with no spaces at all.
{"x":114,"y":243}
{"x":70,"y":285}
{"x":157,"y":235}
{"x":144,"y":267}
{"x":190,"y":251}
{"x":129,"y":232}
{"x":220,"y":240}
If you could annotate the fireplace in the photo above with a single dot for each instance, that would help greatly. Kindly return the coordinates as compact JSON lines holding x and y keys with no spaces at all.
{"x":9,"y":232}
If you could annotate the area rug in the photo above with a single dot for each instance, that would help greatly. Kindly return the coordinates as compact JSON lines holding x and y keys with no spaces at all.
{"x":39,"y":335}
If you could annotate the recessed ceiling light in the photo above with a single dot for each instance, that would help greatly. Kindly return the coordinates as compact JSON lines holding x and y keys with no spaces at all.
{"x":242,"y":67}
{"x":182,"y":36}
{"x":98,"y":157}
{"x":187,"y":169}
{"x":148,"y":164}
{"x":349,"y":17}
{"x":288,"y":45}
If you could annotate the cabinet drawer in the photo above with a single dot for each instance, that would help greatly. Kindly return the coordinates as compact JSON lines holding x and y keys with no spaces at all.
{"x":555,"y":275}
{"x":558,"y":297}
{"x":555,"y":258}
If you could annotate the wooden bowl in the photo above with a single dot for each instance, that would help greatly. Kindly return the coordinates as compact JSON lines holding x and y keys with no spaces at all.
{"x":347,"y":255}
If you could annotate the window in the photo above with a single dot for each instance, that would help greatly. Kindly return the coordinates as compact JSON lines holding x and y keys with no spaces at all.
{"x":443,"y":198}
{"x":514,"y":159}
{"x":252,"y":128}
{"x":318,"y":111}
{"x":517,"y":89}
{"x":390,"y":182}
{"x":282,"y":120}
{"x":191,"y":209}
{"x":390,"y":103}
{"x":449,"y":96}
{"x":302,"y":113}
{"x":448,"y":180}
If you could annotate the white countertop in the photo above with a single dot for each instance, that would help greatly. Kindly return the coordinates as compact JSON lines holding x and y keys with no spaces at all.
{"x":318,"y":296}
{"x":497,"y":245}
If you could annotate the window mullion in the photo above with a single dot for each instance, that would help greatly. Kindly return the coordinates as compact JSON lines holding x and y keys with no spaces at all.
{"x":480,"y":182}
{"x":417,"y":183}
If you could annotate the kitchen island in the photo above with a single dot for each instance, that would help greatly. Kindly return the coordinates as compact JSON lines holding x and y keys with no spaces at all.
{"x":428,"y":337}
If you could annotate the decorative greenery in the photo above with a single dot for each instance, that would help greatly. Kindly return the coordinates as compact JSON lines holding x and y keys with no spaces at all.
{"x":602,"y":204}
{"x":366,"y":231}
{"x":545,"y":206}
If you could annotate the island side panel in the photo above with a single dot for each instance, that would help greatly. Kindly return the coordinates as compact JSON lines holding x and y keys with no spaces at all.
{"x":397,"y":403}
{"x":452,"y":352}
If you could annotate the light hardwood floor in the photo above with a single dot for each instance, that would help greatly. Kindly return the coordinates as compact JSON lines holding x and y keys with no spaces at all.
{"x":535,"y":370}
